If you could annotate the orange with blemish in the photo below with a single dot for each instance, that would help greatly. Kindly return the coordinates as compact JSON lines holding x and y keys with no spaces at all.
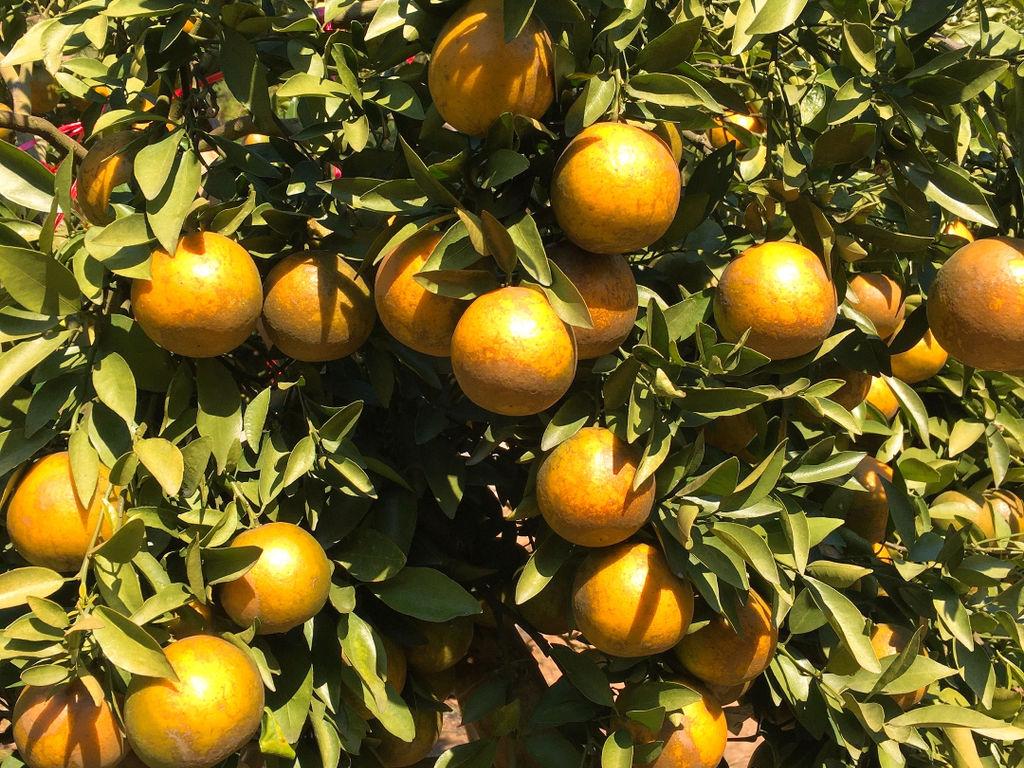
{"x":585,"y":489}
{"x":286,"y":587}
{"x":921,"y":361}
{"x":615,"y":188}
{"x":475,"y":76}
{"x":868,"y":513}
{"x":512,"y":354}
{"x":880,"y":299}
{"x":780,"y":292}
{"x":317,"y":308}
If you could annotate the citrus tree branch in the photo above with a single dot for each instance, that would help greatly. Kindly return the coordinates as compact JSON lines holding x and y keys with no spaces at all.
{"x":38,"y":126}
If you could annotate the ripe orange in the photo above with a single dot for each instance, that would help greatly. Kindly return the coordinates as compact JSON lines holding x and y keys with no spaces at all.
{"x":732,"y":434}
{"x":965,"y":509}
{"x":959,"y":229}
{"x":193,"y":618}
{"x":251,"y":139}
{"x":882,"y":397}
{"x":6,"y":134}
{"x":395,"y":753}
{"x":720,"y":135}
{"x":317,"y":308}
{"x":723,"y":656}
{"x":46,"y":521}
{"x":868,"y":513}
{"x":585,"y":489}
{"x":976,"y":305}
{"x":615,"y":188}
{"x":888,"y":640}
{"x":880,"y":299}
{"x":695,"y":737}
{"x":201,"y":302}
{"x":512,"y":354}
{"x":1008,"y":506}
{"x":475,"y":76}
{"x":627,"y":601}
{"x":446,"y":644}
{"x":211,"y":711}
{"x":286,"y":587}
{"x":60,"y":726}
{"x":781,"y":293}
{"x":107,"y":165}
{"x":920,"y":362}
{"x":421,"y":320}
{"x":550,"y":612}
{"x":608,"y":288}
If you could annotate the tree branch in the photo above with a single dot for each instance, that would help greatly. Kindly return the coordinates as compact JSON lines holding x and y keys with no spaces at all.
{"x":37,"y":126}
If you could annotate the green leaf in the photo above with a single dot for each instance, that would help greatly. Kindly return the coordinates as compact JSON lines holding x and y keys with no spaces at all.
{"x":746,"y":543}
{"x":617,"y":751}
{"x":584,"y":673}
{"x":672,"y":47}
{"x":223,"y":564}
{"x":948,"y":715}
{"x":166,"y":212}
{"x":369,"y":555}
{"x":38,"y":282}
{"x":775,"y":16}
{"x":23,"y":357}
{"x":530,"y":248}
{"x":551,"y":554}
{"x":427,"y":594}
{"x":847,"y":622}
{"x":516,"y":14}
{"x":844,"y":144}
{"x":128,"y":646}
{"x":246,"y":77}
{"x":164,"y":461}
{"x":569,"y":419}
{"x":591,"y":105}
{"x":127,"y":541}
{"x":154,"y":163}
{"x":115,"y":386}
{"x":23,"y":180}
{"x":433,"y":188}
{"x":220,"y":409}
{"x":19,"y":584}
{"x":954,"y":190}
{"x":671,"y":91}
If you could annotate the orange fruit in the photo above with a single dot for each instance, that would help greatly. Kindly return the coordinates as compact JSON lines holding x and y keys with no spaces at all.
{"x":880,"y":299}
{"x":396,"y":667}
{"x":446,"y":644}
{"x":585,"y":489}
{"x":512,"y":354}
{"x":43,"y":90}
{"x":608,"y":288}
{"x":958,"y":229}
{"x":193,"y":618}
{"x":60,"y":726}
{"x":724,"y":656}
{"x":286,"y":587}
{"x":1008,"y":506}
{"x":46,"y":521}
{"x":976,"y":305}
{"x":251,"y":139}
{"x":965,"y":509}
{"x":868,"y":513}
{"x":695,"y":737}
{"x":421,"y":320}
{"x":881,"y":396}
{"x":475,"y":76}
{"x":211,"y":711}
{"x":550,"y":611}
{"x":395,"y":753}
{"x":852,"y":393}
{"x":316,"y":307}
{"x":888,"y":640}
{"x":201,"y":302}
{"x":627,"y":601}
{"x":781,"y":293}
{"x":720,"y":135}
{"x":108,"y":164}
{"x":6,"y":134}
{"x":732,"y":434}
{"x":920,"y":362}
{"x":615,"y":188}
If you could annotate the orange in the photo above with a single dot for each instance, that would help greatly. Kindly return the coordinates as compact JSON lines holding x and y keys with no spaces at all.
{"x":881,"y":396}
{"x":723,"y":656}
{"x":608,"y":288}
{"x":446,"y":644}
{"x":880,"y":299}
{"x":888,"y":640}
{"x":781,"y":293}
{"x":732,"y":434}
{"x":193,"y":618}
{"x":1008,"y":506}
{"x":46,"y":521}
{"x":421,"y":320}
{"x":585,"y":489}
{"x":976,"y":305}
{"x":968,"y":509}
{"x":512,"y":354}
{"x":108,"y":164}
{"x":475,"y":76}
{"x":920,"y":362}
{"x":627,"y":601}
{"x":550,"y":611}
{"x":43,"y":90}
{"x":317,"y":308}
{"x":251,"y":139}
{"x":868,"y":513}
{"x":396,"y":671}
{"x":60,"y":726}
{"x":286,"y":587}
{"x":615,"y":188}
{"x":211,"y":711}
{"x":958,"y":229}
{"x":201,"y":302}
{"x":720,"y":135}
{"x":6,"y":134}
{"x":852,"y":393}
{"x":395,"y":753}
{"x":694,"y":737}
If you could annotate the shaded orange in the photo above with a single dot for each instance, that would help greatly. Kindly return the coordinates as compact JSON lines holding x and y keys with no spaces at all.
{"x":868,"y":513}
{"x":446,"y":644}
{"x":395,"y":753}
{"x":720,"y":135}
{"x":920,"y":362}
{"x":1008,"y":506}
{"x":880,"y":299}
{"x":889,"y":640}
{"x":881,"y":396}
{"x":550,"y":611}
{"x":107,"y":165}
{"x":695,"y":737}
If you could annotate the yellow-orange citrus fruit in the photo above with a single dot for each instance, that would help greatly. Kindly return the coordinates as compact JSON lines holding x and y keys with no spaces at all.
{"x":60,"y":726}
{"x":964,"y":509}
{"x":720,"y":135}
{"x":671,"y":134}
{"x":421,"y":320}
{"x":395,"y":753}
{"x":959,"y":229}
{"x":475,"y":76}
{"x":976,"y":305}
{"x":695,"y":737}
{"x":43,"y":90}
{"x":585,"y":489}
{"x":550,"y":611}
{"x":446,"y":644}
{"x":211,"y":710}
{"x":47,"y":523}
{"x":779,"y":291}
{"x":316,"y":307}
{"x":880,"y":299}
{"x":868,"y":513}
{"x":108,"y":164}
{"x":627,"y":601}
{"x":193,"y":618}
{"x":721,"y":655}
{"x":615,"y":189}
{"x":6,"y":134}
{"x":883,"y":398}
{"x":854,"y":391}
{"x":252,"y":139}
{"x":888,"y":640}
{"x":201,"y":302}
{"x":921,"y":361}
{"x":1008,"y":506}
{"x":731,"y":434}
{"x":286,"y":587}
{"x":512,"y":354}
{"x":608,"y":288}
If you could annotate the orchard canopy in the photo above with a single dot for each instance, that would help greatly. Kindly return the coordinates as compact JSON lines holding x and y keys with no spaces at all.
{"x":570,"y":373}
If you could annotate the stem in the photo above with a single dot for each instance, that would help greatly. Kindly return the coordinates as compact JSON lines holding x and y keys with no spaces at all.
{"x":38,"y":126}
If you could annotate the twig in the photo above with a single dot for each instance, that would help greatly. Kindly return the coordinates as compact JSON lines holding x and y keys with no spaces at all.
{"x":37,"y":126}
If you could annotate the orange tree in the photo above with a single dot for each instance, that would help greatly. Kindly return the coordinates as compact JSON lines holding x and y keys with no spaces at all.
{"x":349,"y":351}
